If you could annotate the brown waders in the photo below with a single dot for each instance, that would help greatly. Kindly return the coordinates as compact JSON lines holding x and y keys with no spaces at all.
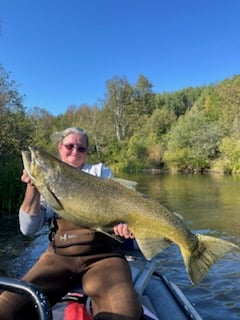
{"x":96,"y":262}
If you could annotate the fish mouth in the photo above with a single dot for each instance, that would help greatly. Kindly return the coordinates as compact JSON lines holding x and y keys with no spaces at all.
{"x":27,"y":159}
{"x":29,"y":156}
{"x":30,"y":159}
{"x":33,"y":160}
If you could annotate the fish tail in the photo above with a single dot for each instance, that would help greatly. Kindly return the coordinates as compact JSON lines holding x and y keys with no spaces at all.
{"x":209,"y":251}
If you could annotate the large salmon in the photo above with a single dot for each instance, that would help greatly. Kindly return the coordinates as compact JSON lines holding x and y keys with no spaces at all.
{"x":100,"y":204}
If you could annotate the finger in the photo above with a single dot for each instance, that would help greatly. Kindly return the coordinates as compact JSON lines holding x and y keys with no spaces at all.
{"x":122,"y":230}
{"x":131,"y":235}
{"x":25,"y":178}
{"x":125,"y":231}
{"x":118,"y":229}
{"x":115,"y":230}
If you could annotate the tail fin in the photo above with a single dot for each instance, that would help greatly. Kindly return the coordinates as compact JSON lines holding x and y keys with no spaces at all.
{"x":209,"y":251}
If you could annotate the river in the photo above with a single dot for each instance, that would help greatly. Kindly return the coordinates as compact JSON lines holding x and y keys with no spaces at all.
{"x":209,"y":204}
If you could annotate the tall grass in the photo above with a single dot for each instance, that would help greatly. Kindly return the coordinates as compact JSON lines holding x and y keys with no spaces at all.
{"x":11,"y":187}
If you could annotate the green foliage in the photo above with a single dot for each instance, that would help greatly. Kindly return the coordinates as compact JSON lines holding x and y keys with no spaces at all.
{"x":119,"y":98}
{"x":212,"y":106}
{"x":16,"y":129}
{"x":230,"y":155}
{"x":180,"y":101}
{"x":11,"y":188}
{"x":15,"y":135}
{"x":43,"y":123}
{"x":134,"y":129}
{"x":127,"y":106}
{"x":160,"y":121}
{"x":193,"y":142}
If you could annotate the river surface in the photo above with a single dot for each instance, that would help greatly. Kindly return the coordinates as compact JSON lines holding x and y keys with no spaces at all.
{"x":209,"y":204}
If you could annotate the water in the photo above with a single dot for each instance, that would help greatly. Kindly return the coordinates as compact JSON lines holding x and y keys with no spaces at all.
{"x":210,"y":204}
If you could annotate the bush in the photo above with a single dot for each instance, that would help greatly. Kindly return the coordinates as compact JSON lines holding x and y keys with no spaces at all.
{"x":11,"y":187}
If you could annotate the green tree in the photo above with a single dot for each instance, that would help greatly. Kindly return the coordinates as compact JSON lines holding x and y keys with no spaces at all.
{"x":119,"y":98}
{"x":230,"y":155}
{"x":141,"y":106}
{"x":15,"y":135}
{"x":16,"y":129}
{"x":193,"y":142}
{"x":143,"y":95}
{"x":43,"y":123}
{"x":180,"y":101}
{"x":161,"y":121}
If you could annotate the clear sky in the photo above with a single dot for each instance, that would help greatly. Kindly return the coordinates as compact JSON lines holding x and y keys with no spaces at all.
{"x":62,"y":52}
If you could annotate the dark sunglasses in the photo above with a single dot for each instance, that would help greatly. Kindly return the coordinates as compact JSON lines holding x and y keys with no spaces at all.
{"x":71,"y":146}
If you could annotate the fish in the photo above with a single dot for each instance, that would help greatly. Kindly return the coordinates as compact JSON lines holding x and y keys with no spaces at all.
{"x":99,"y":204}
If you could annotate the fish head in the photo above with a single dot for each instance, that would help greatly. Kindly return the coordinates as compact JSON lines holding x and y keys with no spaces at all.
{"x":38,"y":164}
{"x":45,"y":171}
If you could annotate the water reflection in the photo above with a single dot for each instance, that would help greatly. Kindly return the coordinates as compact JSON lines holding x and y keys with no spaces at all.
{"x":205,"y":201}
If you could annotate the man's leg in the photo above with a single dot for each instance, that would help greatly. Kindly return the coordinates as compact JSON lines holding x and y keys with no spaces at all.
{"x":52,"y":274}
{"x":109,"y":283}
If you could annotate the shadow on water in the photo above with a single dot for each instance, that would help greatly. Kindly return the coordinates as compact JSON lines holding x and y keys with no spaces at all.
{"x":209,"y":204}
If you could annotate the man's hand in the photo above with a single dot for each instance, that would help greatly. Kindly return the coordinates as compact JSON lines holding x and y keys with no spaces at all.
{"x":25,"y":177}
{"x":122,"y":230}
{"x":31,"y":201}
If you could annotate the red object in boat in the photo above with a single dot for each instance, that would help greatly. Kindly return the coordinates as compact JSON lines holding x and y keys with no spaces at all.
{"x":76,"y":311}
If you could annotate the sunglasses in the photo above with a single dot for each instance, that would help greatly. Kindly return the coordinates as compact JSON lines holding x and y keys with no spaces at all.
{"x":71,"y":146}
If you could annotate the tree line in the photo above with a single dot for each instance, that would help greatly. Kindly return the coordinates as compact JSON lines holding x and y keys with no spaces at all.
{"x":134,"y":129}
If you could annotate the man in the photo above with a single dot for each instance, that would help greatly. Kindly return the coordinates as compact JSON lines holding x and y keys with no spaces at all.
{"x":92,"y":258}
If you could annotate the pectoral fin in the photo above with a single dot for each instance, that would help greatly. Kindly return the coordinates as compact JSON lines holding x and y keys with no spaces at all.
{"x":107,"y":233}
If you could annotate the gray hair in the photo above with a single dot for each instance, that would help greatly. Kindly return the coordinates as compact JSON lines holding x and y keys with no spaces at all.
{"x":57,"y":137}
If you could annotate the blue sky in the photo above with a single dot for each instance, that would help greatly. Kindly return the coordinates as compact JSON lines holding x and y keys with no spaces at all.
{"x":62,"y":52}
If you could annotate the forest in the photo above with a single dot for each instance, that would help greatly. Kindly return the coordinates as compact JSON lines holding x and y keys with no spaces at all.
{"x":195,"y":129}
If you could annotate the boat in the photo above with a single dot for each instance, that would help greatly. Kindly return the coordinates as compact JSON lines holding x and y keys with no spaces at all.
{"x":161,"y":299}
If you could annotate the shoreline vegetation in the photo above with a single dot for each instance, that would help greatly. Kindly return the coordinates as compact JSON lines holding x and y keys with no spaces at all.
{"x":12,"y":193}
{"x":155,"y":171}
{"x":195,"y":130}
